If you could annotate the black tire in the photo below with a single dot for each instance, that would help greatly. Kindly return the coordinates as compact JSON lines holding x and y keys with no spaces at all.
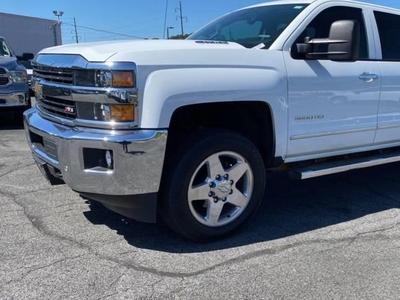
{"x":183,"y":176}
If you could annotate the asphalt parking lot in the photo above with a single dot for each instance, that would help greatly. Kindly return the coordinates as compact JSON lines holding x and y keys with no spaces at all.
{"x":335,"y":237}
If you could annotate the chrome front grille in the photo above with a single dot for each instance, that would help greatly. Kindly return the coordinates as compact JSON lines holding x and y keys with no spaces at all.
{"x":52,"y":104}
{"x":69,"y":90}
{"x":55,"y":75}
{"x":4,"y":80}
{"x":59,"y":107}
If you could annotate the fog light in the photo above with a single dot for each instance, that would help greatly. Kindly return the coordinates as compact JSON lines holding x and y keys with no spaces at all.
{"x":109,"y":159}
{"x":122,"y":112}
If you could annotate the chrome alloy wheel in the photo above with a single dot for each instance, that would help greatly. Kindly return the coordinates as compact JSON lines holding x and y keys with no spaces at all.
{"x":220,"y":189}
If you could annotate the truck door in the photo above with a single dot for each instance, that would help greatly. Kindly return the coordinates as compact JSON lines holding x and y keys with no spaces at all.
{"x":333,"y":105}
{"x":388,"y":52}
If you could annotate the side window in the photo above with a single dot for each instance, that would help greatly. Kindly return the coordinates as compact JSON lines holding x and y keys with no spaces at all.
{"x":4,"y":51}
{"x":320,"y":26}
{"x":389,"y":28}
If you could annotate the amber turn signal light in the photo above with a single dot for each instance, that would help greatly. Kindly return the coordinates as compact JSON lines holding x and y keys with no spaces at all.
{"x":123,"y":79}
{"x":122,"y":112}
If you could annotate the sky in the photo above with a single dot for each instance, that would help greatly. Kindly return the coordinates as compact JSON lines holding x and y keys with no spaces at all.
{"x":126,"y":19}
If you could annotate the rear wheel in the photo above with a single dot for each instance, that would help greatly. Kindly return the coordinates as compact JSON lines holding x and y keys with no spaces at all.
{"x":213,"y":185}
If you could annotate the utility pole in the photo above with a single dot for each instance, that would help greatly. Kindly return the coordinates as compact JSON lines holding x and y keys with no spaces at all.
{"x":180,"y":16}
{"x":165,"y":18}
{"x":76,"y":31}
{"x":58,"y":14}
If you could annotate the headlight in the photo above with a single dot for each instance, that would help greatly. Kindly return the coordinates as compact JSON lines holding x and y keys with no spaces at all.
{"x":116,"y":79}
{"x":19,"y":76}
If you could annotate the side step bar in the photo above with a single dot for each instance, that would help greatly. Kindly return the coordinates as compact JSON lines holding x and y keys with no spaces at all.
{"x":317,"y":170}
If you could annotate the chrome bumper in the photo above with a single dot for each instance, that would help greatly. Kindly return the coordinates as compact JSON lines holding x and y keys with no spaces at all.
{"x":14,"y":99}
{"x":138,"y":156}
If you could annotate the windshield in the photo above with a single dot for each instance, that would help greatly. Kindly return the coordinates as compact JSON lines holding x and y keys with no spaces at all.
{"x":4,"y":49}
{"x":252,"y":26}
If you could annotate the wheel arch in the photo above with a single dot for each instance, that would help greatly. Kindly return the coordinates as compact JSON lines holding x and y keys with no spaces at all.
{"x":252,"y":119}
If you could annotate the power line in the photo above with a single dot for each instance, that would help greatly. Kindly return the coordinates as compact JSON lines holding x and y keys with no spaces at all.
{"x":135,"y":24}
{"x":180,"y":16}
{"x":105,"y":31}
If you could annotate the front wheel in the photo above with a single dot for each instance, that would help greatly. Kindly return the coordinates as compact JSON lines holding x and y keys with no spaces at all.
{"x":213,"y":185}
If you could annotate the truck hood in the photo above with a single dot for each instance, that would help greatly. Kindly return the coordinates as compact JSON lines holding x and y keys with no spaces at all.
{"x":8,"y":62}
{"x":102,"y":51}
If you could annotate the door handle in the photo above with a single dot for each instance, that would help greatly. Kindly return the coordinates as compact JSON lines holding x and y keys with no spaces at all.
{"x":368,"y":77}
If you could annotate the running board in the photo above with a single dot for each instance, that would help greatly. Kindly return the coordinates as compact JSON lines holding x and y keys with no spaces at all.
{"x":317,"y":170}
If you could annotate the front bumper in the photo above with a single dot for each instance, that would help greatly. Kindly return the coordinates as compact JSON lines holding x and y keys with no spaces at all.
{"x":14,"y":99}
{"x":138,"y":156}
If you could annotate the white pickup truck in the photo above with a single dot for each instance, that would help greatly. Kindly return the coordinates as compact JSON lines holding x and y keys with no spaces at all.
{"x":189,"y":128}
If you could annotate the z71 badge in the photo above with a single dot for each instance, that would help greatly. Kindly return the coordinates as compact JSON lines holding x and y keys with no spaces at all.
{"x":69,"y":109}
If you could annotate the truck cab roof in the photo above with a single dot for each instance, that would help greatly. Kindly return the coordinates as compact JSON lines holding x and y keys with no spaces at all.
{"x":318,"y":2}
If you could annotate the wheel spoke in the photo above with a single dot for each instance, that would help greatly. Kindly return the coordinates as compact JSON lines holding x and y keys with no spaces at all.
{"x":214,"y":166}
{"x":199,"y":192}
{"x":214,"y":212}
{"x":238,"y":199}
{"x":220,"y":189}
{"x":238,"y":170}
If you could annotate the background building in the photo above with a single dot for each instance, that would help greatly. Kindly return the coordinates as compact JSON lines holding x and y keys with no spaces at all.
{"x":28,"y":34}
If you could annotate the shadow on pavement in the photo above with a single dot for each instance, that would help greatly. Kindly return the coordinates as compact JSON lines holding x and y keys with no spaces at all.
{"x":8,"y":122}
{"x":290,"y":208}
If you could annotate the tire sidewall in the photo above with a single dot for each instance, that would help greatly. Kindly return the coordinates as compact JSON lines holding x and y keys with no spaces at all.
{"x":179,"y":210}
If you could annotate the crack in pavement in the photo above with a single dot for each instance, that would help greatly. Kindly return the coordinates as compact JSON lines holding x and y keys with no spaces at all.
{"x":15,"y":170}
{"x":114,"y":282}
{"x":36,"y":223}
{"x":41,"y":268}
{"x":25,"y":192}
{"x":153,"y":287}
{"x":179,"y":289}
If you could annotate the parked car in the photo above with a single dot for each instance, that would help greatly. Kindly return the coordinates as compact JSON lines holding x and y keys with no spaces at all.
{"x":14,"y":89}
{"x":188,"y":128}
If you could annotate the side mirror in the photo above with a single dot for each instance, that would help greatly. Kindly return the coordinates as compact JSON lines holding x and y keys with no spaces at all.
{"x":342,"y":45}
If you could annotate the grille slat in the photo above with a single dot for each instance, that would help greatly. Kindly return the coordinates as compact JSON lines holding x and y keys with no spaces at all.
{"x":3,"y":80}
{"x":55,"y":78}
{"x":55,"y":104}
{"x":57,"y":110}
{"x":60,"y":102}
{"x":55,"y":75}
{"x":58,"y":107}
